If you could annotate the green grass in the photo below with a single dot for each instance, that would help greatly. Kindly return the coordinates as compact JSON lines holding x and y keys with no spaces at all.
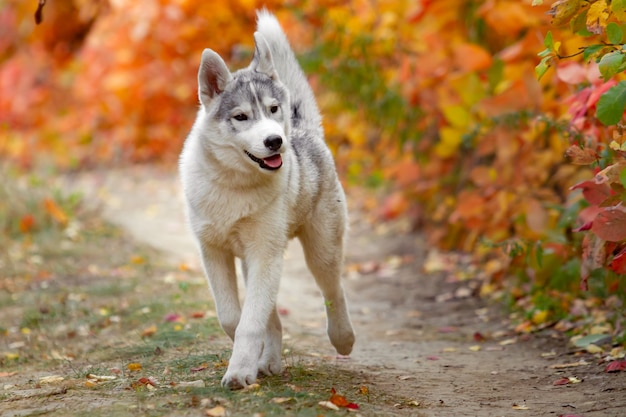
{"x":98,"y":302}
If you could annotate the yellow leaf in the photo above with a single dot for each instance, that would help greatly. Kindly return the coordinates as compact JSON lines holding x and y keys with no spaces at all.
{"x":51,"y":379}
{"x":475,"y":348}
{"x":456,"y":115}
{"x":563,"y":10}
{"x":450,"y":141}
{"x":597,"y":17}
{"x":540,"y":316}
{"x":217,"y":411}
{"x":134,"y":366}
{"x":137,"y":260}
{"x":591,"y":348}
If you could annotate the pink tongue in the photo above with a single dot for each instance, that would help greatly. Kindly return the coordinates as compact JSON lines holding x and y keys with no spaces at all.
{"x":273,"y":161}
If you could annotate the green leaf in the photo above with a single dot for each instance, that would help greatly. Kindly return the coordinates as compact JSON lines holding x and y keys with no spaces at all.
{"x":542,"y":67}
{"x":611,"y":64}
{"x":610,"y":107}
{"x":622,"y":177}
{"x":614,"y":33}
{"x":578,"y":24}
{"x":591,"y":50}
{"x":548,"y":42}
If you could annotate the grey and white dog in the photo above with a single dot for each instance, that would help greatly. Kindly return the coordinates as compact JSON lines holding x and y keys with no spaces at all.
{"x":255,"y":173}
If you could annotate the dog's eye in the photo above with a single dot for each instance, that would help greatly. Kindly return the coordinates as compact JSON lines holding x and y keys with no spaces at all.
{"x":274,"y":109}
{"x":240,"y":117}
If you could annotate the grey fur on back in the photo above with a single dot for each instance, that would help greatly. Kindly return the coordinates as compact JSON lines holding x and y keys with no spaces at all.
{"x":305,"y":114}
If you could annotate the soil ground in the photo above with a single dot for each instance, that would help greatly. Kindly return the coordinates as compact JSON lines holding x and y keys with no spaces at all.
{"x":425,"y":347}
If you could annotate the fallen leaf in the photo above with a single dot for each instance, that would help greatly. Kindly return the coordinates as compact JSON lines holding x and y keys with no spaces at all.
{"x":172,"y":317}
{"x":329,"y":405}
{"x":56,"y":212}
{"x":99,"y":378}
{"x":616,"y":366}
{"x":149,"y":331}
{"x":474,"y":348}
{"x":591,"y":348}
{"x":200,"y":367}
{"x":217,"y":411}
{"x":281,"y":400}
{"x":595,"y":339}
{"x":520,"y":407}
{"x":51,"y":379}
{"x":134,"y":366}
{"x":5,"y":374}
{"x":191,"y":384}
{"x":364,"y":390}
{"x":197,"y":314}
{"x":561,"y":381}
{"x":478,"y":337}
{"x":508,"y":342}
{"x":569,"y":365}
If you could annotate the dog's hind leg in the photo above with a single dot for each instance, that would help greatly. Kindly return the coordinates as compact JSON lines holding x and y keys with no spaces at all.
{"x":323,"y":250}
{"x":219,"y":266}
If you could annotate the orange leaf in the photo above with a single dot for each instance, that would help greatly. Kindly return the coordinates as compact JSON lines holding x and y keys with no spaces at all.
{"x":149,"y":331}
{"x":581,"y":156}
{"x":339,"y":400}
{"x":471,"y":57}
{"x":27,"y":223}
{"x":134,"y":366}
{"x":57,"y":213}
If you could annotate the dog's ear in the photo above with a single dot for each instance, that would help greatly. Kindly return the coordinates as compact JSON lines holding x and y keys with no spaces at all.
{"x":262,"y":61}
{"x":213,"y":76}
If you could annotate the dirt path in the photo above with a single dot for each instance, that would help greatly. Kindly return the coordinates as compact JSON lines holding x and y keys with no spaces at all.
{"x":415,"y":339}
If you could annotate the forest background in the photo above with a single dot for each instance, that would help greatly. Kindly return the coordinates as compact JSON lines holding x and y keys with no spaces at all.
{"x":491,"y":126}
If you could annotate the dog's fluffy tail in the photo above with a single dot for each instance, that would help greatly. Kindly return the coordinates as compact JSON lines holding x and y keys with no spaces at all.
{"x":304,"y":111}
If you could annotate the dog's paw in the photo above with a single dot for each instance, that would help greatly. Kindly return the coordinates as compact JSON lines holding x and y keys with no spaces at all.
{"x":270,"y":365}
{"x":238,"y":379}
{"x":342,"y":339}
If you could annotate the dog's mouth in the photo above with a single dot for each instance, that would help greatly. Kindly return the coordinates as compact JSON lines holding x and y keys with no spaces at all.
{"x":271,"y":162}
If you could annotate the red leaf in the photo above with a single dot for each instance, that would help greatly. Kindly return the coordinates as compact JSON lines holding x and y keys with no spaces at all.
{"x":618,"y":263}
{"x":562,"y":381}
{"x":616,"y":366}
{"x":594,"y":256}
{"x":352,"y":406}
{"x":610,"y":224}
{"x":593,"y":192}
{"x":172,"y":317}
{"x":478,"y":337}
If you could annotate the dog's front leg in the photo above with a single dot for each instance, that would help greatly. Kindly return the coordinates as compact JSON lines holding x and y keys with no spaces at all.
{"x":219,"y":266}
{"x":263,"y":278}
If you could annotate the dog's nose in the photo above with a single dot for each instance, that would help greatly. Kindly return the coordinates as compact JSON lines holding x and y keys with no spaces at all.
{"x":273,"y":142}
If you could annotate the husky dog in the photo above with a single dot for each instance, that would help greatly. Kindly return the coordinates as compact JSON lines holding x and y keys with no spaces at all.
{"x":255,"y":173}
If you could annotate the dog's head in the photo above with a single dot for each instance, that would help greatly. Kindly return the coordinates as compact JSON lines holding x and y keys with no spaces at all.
{"x":247,"y":111}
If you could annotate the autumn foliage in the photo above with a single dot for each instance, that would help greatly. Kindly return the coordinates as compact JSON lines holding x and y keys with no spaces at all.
{"x":494,"y":124}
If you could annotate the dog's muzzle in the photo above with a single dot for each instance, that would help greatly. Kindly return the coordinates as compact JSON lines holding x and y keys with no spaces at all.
{"x":270,"y":163}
